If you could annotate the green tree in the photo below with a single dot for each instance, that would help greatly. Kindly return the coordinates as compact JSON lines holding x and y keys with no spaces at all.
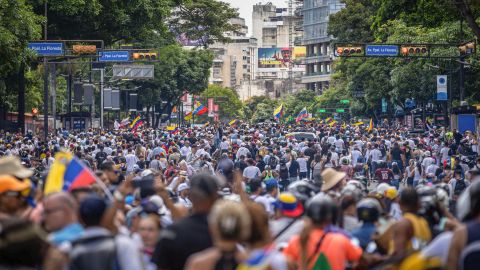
{"x":178,"y":71}
{"x":204,"y":20}
{"x":353,"y":23}
{"x":232,"y":105}
{"x":107,"y":20}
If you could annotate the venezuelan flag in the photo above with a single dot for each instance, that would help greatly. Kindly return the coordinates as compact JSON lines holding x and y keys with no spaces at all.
{"x":199,"y":109}
{"x":358,"y":123}
{"x":278,"y":112}
{"x":135,"y":121}
{"x":137,"y":125}
{"x":233,"y":122}
{"x":67,"y":173}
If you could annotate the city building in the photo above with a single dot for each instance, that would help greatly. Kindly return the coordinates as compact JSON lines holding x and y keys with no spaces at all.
{"x":319,"y":57}
{"x":275,"y":30}
{"x":234,"y":62}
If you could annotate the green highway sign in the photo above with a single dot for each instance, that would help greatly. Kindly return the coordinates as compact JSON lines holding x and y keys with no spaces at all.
{"x":340,"y":110}
{"x":322,"y":110}
{"x":345,"y":101}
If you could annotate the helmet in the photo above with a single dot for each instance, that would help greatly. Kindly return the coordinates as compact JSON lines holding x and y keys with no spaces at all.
{"x":381,"y":188}
{"x":442,"y":197}
{"x":368,"y":210}
{"x":322,"y":209}
{"x":345,"y":161}
{"x":357,"y":184}
{"x":353,"y":191}
{"x":303,"y":190}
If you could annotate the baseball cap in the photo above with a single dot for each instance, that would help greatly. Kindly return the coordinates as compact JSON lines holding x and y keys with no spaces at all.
{"x":182,"y":187}
{"x":289,"y":205}
{"x":92,"y":209}
{"x":271,"y":183}
{"x":10,"y":183}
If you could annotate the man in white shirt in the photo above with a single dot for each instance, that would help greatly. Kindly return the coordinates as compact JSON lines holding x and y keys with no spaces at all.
{"x":355,"y":155}
{"x":374,"y":156}
{"x":252,"y":171}
{"x":242,"y":151}
{"x":186,"y":149}
{"x":131,"y":160}
{"x":428,"y":160}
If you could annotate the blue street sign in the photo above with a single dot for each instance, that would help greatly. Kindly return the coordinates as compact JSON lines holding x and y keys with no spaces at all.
{"x":46,"y":48}
{"x":381,"y":50}
{"x":114,"y":56}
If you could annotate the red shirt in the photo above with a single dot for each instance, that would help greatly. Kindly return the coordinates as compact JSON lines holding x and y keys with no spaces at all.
{"x":384,"y":174}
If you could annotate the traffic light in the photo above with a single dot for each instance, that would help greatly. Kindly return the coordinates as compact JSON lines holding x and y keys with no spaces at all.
{"x":34,"y":112}
{"x":84,"y":49}
{"x":144,"y":56}
{"x":467,"y":48}
{"x":414,"y":50}
{"x":349,"y":51}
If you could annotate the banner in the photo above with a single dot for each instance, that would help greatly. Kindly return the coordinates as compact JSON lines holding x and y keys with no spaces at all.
{"x":215,"y":107}
{"x":442,"y":93}
{"x":210,"y":107}
{"x":276,"y":59}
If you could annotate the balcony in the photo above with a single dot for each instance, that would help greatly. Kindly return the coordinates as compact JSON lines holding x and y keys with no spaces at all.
{"x":312,"y":59}
{"x":316,"y":77}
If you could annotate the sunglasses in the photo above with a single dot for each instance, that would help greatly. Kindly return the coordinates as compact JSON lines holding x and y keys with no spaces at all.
{"x":12,"y":194}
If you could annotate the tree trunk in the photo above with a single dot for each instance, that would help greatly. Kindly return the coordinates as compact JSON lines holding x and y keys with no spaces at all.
{"x":147,"y":116}
{"x":466,"y":12}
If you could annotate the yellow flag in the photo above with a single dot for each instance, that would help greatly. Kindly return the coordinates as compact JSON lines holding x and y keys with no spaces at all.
{"x":328,"y":119}
{"x":54,"y":181}
{"x":370,"y":126}
{"x":188,"y":116}
{"x":332,"y":123}
{"x":358,"y":124}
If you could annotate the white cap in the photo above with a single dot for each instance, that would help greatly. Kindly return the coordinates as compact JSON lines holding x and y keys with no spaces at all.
{"x":182,"y":187}
{"x":146,"y":172}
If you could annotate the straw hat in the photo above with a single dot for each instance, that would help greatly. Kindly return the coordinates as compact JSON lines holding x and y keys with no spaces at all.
{"x":11,"y":165}
{"x":331,"y":177}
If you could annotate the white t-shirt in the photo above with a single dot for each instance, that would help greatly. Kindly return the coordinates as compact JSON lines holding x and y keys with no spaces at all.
{"x":267,"y":201}
{"x":375,"y":155}
{"x":339,"y":144}
{"x":444,"y":153}
{"x":302,"y":162}
{"x":131,"y":160}
{"x":251,"y":172}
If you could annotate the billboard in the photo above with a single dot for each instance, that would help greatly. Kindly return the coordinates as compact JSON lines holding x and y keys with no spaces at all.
{"x":276,"y":59}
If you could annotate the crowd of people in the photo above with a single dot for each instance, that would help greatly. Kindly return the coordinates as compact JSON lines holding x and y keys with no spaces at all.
{"x":247,"y":196}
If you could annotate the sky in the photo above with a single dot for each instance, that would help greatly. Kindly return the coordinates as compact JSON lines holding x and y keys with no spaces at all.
{"x":246,"y":7}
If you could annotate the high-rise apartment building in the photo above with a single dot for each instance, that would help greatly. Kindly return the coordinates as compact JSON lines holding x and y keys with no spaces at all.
{"x":233,"y":62}
{"x":318,"y":58}
{"x":275,"y":30}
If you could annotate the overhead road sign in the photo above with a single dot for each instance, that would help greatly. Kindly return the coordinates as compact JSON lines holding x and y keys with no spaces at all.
{"x":114,"y":56}
{"x":47,"y":48}
{"x":133,"y":71}
{"x":381,"y":50}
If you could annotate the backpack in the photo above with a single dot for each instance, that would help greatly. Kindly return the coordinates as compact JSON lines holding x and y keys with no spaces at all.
{"x":94,"y":253}
{"x":460,"y":186}
{"x":283,"y":172}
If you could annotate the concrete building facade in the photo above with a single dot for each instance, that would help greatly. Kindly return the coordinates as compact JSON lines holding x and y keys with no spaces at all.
{"x":275,"y":27}
{"x":234,"y":62}
{"x":319,"y":57}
